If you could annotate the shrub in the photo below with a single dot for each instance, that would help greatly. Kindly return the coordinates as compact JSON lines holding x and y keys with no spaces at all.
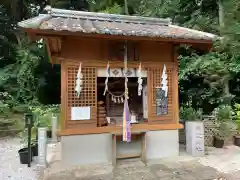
{"x":224,"y":123}
{"x":224,"y":113}
{"x":237,"y":116}
{"x":21,"y":108}
{"x":190,"y":114}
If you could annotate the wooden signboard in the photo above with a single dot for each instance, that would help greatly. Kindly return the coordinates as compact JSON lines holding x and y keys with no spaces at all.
{"x":161,"y":102}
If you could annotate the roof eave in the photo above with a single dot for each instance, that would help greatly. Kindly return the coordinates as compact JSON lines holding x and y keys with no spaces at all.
{"x":45,"y":33}
{"x":211,"y":36}
{"x":34,"y":22}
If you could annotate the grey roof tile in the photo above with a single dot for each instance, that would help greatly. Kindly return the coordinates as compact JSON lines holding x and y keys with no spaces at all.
{"x":100,"y":23}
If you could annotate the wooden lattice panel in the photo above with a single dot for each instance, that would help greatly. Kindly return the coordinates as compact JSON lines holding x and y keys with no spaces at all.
{"x":88,"y":93}
{"x":154,"y":82}
{"x":87,"y":96}
{"x":157,"y":79}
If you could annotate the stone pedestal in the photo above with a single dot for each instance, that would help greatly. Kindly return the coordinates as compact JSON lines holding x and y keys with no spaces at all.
{"x":86,"y":149}
{"x":162,"y":144}
{"x":195,"y":138}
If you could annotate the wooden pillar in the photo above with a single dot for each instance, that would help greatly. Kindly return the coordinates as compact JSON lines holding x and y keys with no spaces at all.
{"x":63,"y":95}
{"x":175,"y":86}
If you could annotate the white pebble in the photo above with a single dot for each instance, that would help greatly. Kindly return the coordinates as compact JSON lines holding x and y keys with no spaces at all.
{"x":10,"y":164}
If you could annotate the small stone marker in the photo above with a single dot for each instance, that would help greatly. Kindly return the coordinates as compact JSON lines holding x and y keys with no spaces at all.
{"x":195,"y":138}
{"x":42,"y":147}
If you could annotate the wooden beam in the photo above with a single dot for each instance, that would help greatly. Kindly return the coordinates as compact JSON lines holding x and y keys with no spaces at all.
{"x":110,"y":129}
{"x":41,"y":32}
{"x":112,"y":85}
{"x":125,"y":156}
{"x":48,"y":49}
{"x":63,"y":96}
{"x":113,"y":64}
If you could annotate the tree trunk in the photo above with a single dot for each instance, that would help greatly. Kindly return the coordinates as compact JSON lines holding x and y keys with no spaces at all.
{"x":126,"y":7}
{"x":226,"y":92}
{"x":220,"y":13}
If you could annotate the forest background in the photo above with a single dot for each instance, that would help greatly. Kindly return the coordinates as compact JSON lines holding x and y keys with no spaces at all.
{"x":206,"y":80}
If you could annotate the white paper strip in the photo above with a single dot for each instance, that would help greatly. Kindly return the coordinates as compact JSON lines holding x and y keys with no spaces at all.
{"x":80,"y":113}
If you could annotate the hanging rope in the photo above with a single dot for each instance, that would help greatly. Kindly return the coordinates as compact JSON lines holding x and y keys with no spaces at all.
{"x":125,"y":70}
{"x":112,"y":94}
{"x":117,"y":98}
{"x":126,"y":112}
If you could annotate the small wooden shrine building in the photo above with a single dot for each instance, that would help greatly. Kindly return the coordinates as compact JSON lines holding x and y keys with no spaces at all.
{"x":97,"y":53}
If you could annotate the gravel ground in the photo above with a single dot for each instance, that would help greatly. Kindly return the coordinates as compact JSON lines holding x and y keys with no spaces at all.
{"x":10,"y":167}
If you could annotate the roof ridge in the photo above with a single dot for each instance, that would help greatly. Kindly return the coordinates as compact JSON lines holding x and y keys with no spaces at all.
{"x":104,"y":16}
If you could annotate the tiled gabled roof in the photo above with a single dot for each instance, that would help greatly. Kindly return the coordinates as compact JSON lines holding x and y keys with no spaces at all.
{"x":112,"y":24}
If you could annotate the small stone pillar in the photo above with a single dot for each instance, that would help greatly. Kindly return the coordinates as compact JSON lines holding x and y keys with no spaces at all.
{"x":42,"y":147}
{"x":195,"y":138}
{"x":54,"y":128}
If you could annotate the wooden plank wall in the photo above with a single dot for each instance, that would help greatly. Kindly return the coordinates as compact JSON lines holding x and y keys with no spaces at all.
{"x":93,"y":53}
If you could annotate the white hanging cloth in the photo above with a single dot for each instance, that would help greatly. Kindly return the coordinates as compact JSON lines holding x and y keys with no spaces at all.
{"x":164,"y":81}
{"x":106,"y":81}
{"x":140,"y":81}
{"x":78,"y":87}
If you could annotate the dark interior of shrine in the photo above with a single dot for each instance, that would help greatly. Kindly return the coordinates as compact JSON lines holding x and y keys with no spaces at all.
{"x":114,"y":97}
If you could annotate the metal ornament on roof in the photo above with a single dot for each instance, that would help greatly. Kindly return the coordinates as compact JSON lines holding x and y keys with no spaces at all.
{"x":79,"y":78}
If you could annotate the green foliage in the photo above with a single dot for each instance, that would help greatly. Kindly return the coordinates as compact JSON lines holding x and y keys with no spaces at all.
{"x":224,"y":123}
{"x":10,"y":124}
{"x":237,"y":114}
{"x":44,"y":114}
{"x":115,"y":9}
{"x":5,"y":122}
{"x":223,"y":130}
{"x":27,"y":62}
{"x":20,"y":108}
{"x":190,"y":114}
{"x":24,"y":136}
{"x":208,"y":79}
{"x":214,"y":69}
{"x":45,"y":121}
{"x":42,"y":110}
{"x":224,"y":113}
